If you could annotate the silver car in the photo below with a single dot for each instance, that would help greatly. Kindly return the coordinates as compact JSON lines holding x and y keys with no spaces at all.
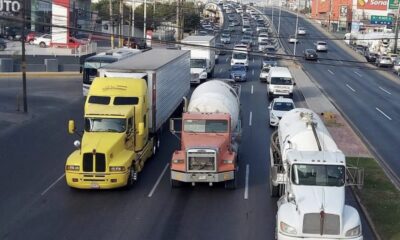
{"x":384,"y":61}
{"x":321,"y":46}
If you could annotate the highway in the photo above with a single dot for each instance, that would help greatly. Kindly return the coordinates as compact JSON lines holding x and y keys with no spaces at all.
{"x":36,"y":203}
{"x":369,"y":100}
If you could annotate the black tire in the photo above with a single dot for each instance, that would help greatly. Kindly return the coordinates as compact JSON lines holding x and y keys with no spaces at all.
{"x":42,"y":45}
{"x":232,"y":184}
{"x":131,"y":179}
{"x":176,"y":184}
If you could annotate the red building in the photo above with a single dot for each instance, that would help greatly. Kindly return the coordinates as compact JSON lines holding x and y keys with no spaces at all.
{"x":334,"y":13}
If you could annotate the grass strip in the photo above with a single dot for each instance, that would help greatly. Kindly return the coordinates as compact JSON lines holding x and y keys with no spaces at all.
{"x":380,"y":197}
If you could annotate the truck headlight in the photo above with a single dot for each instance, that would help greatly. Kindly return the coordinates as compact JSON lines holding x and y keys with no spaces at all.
{"x":286,"y":228}
{"x":177,"y":161}
{"x":228,"y":161}
{"x":354,"y":232}
{"x":72,"y":167}
{"x":117,"y":169}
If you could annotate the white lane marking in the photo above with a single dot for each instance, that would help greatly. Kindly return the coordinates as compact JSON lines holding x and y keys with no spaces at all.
{"x":352,"y":89}
{"x":158,"y":181}
{"x":52,"y":185}
{"x":384,"y":114}
{"x":358,"y":74}
{"x":220,"y":71}
{"x":227,"y":59}
{"x":250,"y":118}
{"x":252,"y":72}
{"x":246,"y":187}
{"x":386,"y":91}
{"x":252,"y":89}
{"x":331,"y":72}
{"x":253,"y":60}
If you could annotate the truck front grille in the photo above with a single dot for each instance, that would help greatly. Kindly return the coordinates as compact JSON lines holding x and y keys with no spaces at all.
{"x":312,"y":224}
{"x":89,"y":161}
{"x":201,"y":161}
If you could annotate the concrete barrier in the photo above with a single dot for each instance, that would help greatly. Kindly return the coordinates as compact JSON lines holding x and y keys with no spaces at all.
{"x":51,"y":65}
{"x":6,"y":65}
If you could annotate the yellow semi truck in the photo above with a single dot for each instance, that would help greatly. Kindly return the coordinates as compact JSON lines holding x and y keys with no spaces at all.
{"x":125,"y":109}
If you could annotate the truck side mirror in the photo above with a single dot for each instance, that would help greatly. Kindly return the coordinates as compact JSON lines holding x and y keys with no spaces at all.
{"x":141,"y":128}
{"x":172,"y":123}
{"x":71,"y":127}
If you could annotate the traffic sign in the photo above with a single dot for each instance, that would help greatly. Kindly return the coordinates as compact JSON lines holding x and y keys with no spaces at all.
{"x":382,"y":20}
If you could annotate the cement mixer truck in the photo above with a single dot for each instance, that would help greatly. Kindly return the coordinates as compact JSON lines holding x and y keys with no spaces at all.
{"x":210,"y":134}
{"x":309,"y":174}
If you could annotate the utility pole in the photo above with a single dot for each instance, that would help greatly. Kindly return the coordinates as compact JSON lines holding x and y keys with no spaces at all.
{"x":145,"y":20}
{"x":121,"y":23}
{"x":330,"y":14}
{"x":279,"y":18}
{"x":178,"y":19}
{"x":130,"y":26}
{"x":396,"y":38}
{"x":23,"y":59}
{"x":297,"y":25}
{"x":111,"y":25}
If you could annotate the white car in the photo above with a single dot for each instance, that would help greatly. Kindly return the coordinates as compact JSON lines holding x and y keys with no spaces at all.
{"x":262,"y":37}
{"x":321,"y":46}
{"x":278,"y":107}
{"x":293,"y":39}
{"x":43,"y":41}
{"x":301,"y":31}
{"x":241,"y":58}
{"x":264,"y":73}
{"x":241,"y":48}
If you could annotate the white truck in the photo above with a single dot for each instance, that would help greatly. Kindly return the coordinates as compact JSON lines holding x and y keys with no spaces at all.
{"x":309,"y":174}
{"x":202,"y":56}
{"x":280,"y":82}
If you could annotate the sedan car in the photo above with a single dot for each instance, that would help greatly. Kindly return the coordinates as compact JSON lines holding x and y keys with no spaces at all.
{"x":238,"y":73}
{"x":43,"y":41}
{"x":321,"y":46}
{"x":264,"y":73}
{"x":225,"y":38}
{"x":278,"y":107}
{"x":384,"y":61}
{"x":310,"y":54}
{"x":371,"y":57}
{"x":301,"y":31}
{"x":293,"y":39}
{"x":269,"y":60}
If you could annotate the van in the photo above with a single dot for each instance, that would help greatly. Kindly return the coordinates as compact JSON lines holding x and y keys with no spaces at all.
{"x":280,"y":82}
{"x":240,"y":57}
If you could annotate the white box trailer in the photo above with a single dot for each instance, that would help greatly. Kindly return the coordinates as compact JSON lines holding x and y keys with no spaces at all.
{"x":202,"y":56}
{"x":168,"y":77}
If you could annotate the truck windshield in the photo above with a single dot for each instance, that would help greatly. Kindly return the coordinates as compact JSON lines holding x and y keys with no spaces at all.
{"x":318,"y":175}
{"x":105,"y":125}
{"x":205,"y":126}
{"x":281,"y":81}
{"x":197,"y":63}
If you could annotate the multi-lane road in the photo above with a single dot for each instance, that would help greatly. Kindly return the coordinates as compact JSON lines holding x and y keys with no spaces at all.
{"x":36,"y":203}
{"x":370,"y":100}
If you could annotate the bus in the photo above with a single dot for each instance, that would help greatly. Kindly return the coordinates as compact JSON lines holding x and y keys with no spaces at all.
{"x":93,"y":63}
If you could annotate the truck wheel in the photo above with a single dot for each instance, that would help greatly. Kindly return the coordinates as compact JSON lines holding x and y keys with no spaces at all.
{"x":42,"y":45}
{"x":132,"y":178}
{"x":175,"y":183}
{"x":232,"y":184}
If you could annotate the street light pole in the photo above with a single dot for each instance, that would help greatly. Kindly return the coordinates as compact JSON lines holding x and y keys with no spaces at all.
{"x":279,"y":18}
{"x":23,"y":60}
{"x":396,"y":37}
{"x":145,"y":19}
{"x":297,"y":25}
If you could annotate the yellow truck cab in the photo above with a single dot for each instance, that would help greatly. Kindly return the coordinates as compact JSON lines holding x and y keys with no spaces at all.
{"x":114,"y":144}
{"x":125,"y":110}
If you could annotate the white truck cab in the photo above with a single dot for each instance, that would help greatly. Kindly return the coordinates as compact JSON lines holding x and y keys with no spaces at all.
{"x":280,"y":82}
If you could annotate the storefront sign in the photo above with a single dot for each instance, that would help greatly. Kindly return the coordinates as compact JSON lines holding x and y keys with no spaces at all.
{"x":9,"y":6}
{"x":394,"y":4}
{"x":372,"y":4}
{"x":382,"y":20}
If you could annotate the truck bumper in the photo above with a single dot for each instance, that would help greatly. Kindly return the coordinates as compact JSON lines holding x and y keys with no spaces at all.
{"x":286,"y":237}
{"x":202,"y":177}
{"x":96,"y":180}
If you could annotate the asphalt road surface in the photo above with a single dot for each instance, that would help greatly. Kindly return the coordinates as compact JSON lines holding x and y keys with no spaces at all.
{"x":36,"y":203}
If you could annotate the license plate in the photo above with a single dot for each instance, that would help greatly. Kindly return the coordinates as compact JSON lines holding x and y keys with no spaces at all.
{"x":202,"y":177}
{"x":94,"y":185}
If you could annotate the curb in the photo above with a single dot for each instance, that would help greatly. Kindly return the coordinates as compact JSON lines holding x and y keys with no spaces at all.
{"x":41,"y":74}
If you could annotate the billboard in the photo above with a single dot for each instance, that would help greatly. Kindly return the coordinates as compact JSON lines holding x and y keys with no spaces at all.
{"x":60,"y":18}
{"x":372,"y":4}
